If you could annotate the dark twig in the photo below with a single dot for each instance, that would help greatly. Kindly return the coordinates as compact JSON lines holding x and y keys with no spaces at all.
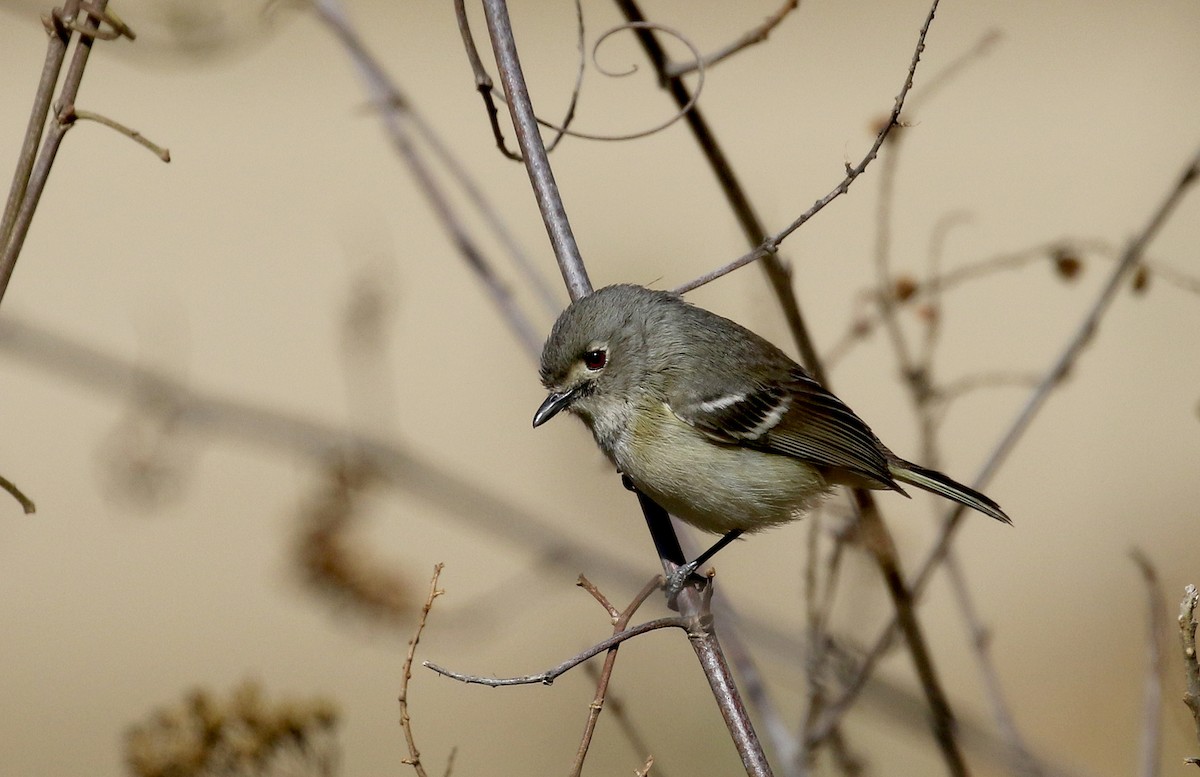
{"x":749,"y":38}
{"x":26,"y":503}
{"x":620,"y":621}
{"x":533,"y":151}
{"x":1191,"y":664}
{"x":1156,"y":629}
{"x":414,"y":755}
{"x":550,"y":675}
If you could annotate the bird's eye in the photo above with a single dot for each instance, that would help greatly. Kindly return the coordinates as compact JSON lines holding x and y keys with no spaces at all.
{"x":595,"y":360}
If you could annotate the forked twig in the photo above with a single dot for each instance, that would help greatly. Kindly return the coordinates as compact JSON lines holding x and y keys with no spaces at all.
{"x":620,"y":622}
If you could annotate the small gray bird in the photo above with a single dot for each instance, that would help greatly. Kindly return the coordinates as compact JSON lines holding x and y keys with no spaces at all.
{"x":710,"y":420}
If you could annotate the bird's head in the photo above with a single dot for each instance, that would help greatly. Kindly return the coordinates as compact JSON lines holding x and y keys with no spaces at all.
{"x":600,"y":351}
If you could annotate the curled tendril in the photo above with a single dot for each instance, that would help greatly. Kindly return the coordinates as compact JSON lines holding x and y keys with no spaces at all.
{"x":633,"y":69}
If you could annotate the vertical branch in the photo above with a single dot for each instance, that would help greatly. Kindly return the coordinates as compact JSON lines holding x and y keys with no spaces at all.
{"x":56,"y":52}
{"x":64,"y":106}
{"x":693,"y":601}
{"x":537,"y":163}
{"x":1191,"y":667}
{"x":1152,"y":695}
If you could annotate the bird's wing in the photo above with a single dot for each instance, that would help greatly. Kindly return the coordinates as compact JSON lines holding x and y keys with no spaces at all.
{"x":793,"y":416}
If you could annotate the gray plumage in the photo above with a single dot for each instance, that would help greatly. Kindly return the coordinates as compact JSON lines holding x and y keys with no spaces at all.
{"x":710,"y":420}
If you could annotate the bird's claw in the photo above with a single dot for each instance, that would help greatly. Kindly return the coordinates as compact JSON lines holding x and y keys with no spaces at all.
{"x":680,"y":577}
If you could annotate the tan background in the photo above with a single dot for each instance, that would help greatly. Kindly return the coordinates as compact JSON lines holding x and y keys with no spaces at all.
{"x":231,"y":268}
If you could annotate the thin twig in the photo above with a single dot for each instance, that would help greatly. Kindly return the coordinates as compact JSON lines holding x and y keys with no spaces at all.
{"x":1191,"y":662}
{"x":771,"y":244}
{"x":749,"y":38}
{"x":545,"y":190}
{"x":414,"y":755}
{"x":620,"y":621}
{"x":550,"y":675}
{"x":753,"y":229}
{"x":1156,"y":628}
{"x":162,"y":153}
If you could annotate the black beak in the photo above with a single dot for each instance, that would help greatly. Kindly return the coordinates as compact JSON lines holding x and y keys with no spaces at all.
{"x":554,"y":403}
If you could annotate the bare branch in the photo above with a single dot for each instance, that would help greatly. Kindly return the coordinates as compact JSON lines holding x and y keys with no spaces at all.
{"x":550,"y":675}
{"x":1191,"y":664}
{"x":1156,"y":628}
{"x":749,"y":38}
{"x":541,"y":176}
{"x":771,"y":244}
{"x":414,"y":755}
{"x":620,"y":622}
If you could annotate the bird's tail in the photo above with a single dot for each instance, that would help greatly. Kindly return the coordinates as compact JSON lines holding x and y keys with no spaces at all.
{"x":937,"y":483}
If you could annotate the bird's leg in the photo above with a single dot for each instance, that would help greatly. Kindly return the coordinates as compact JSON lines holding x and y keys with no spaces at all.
{"x":681,"y":574}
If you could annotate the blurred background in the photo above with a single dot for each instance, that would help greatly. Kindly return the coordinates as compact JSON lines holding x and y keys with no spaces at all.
{"x":285,"y":268}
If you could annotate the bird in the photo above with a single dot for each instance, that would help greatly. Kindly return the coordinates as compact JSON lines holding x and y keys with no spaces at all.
{"x":711,"y":421}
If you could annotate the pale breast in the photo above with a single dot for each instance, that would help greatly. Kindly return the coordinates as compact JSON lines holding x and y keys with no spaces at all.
{"x":712,"y":486}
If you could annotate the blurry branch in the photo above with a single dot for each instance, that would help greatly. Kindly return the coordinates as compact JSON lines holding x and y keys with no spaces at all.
{"x":1062,"y":365}
{"x":1066,"y":256}
{"x":620,"y":621}
{"x":242,"y":736}
{"x":396,"y":114}
{"x":617,"y":713}
{"x":916,"y":365}
{"x":533,"y":152}
{"x":916,"y":373}
{"x":1156,"y":628}
{"x":329,"y":558}
{"x":749,"y":38}
{"x":26,"y":503}
{"x":414,"y":755}
{"x":1019,"y":755}
{"x":33,"y":168}
{"x":1191,"y":663}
